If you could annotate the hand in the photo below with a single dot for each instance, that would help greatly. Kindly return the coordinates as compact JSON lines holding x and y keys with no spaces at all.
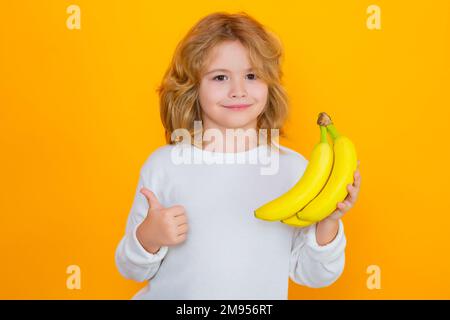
{"x":349,"y":201}
{"x":162,"y":226}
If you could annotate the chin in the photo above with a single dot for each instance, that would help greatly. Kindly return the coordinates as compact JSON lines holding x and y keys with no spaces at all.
{"x":236,"y":124}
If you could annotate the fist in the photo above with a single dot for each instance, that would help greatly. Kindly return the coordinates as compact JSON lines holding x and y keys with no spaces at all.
{"x":162,"y":226}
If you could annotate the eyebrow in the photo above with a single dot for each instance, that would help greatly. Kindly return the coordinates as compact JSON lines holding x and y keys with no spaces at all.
{"x":224,"y":70}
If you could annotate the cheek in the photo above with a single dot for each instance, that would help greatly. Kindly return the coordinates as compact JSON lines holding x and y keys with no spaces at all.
{"x":211,"y":94}
{"x":260,"y":92}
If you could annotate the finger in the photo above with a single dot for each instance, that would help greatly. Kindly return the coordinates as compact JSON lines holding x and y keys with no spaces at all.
{"x":348,"y":205}
{"x":151,"y":199}
{"x":181,"y":219}
{"x":178,"y":211}
{"x":182,"y":229}
{"x":357,"y":179}
{"x":353,"y":192}
{"x":344,"y":206}
{"x":181,"y":238}
{"x":336,"y":215}
{"x":341,"y":207}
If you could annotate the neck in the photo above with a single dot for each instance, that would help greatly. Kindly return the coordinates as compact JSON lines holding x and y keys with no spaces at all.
{"x":237,"y":141}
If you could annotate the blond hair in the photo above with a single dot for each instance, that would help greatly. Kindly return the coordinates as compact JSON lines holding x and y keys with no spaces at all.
{"x":178,"y":91}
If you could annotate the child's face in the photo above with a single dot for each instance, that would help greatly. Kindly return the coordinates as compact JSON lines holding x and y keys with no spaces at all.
{"x":234,"y":85}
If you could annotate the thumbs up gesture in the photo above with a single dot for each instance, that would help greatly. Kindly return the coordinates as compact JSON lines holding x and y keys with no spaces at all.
{"x":162,"y":226}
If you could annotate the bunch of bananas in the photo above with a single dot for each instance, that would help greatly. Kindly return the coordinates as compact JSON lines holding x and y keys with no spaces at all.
{"x":323,"y":184}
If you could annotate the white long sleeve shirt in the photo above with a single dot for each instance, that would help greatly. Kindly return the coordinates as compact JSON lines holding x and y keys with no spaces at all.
{"x":228,"y":253}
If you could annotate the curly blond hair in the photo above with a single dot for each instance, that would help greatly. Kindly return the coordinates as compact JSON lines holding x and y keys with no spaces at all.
{"x":178,"y":91}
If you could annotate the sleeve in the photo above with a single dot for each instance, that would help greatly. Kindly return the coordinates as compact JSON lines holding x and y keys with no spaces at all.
{"x":313,"y":265}
{"x":132,"y":260}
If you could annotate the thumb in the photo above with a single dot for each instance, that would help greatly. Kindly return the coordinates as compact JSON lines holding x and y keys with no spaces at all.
{"x":151,"y":198}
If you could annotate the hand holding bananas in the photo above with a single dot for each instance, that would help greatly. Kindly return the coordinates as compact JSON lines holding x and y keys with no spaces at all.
{"x":325,"y":189}
{"x":349,"y":201}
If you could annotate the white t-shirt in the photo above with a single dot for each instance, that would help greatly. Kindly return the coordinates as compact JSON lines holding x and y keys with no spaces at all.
{"x":228,"y":253}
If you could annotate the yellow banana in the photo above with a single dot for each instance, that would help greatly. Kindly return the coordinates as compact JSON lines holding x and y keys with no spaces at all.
{"x":335,"y":190}
{"x":296,"y":222}
{"x":314,"y":178}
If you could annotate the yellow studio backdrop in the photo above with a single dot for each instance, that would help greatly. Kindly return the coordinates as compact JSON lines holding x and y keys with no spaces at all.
{"x":79,"y":115}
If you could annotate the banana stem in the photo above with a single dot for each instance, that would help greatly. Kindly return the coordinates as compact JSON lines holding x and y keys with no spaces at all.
{"x":333,"y":131}
{"x":323,"y":134}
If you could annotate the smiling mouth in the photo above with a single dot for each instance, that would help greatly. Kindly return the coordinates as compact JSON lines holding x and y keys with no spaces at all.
{"x":238,"y":106}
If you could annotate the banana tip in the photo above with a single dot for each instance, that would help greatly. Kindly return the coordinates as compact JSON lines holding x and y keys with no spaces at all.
{"x":324,"y":119}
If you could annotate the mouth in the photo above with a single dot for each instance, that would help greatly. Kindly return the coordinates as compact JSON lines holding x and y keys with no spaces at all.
{"x":238,"y":106}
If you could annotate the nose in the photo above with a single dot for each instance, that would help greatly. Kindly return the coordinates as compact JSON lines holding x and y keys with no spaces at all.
{"x":237,"y":89}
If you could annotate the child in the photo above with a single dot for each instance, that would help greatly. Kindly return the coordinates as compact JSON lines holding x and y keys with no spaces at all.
{"x":191,"y":229}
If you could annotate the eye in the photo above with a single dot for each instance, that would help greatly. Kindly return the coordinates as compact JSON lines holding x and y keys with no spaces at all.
{"x":220,"y":75}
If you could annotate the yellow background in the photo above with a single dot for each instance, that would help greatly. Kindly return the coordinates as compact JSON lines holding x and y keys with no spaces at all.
{"x":79,"y":115}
